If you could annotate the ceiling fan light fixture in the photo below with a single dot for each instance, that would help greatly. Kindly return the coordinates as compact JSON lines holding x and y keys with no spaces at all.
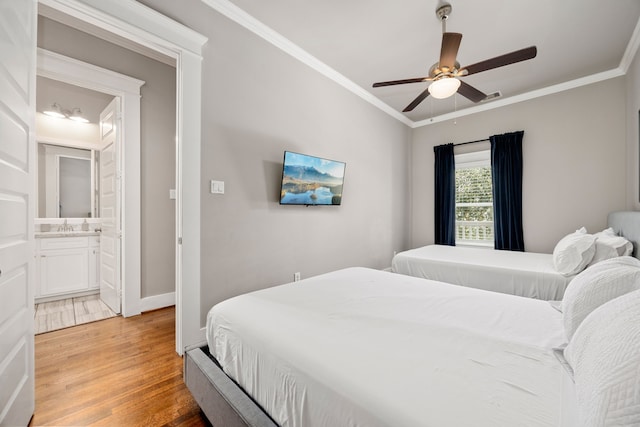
{"x":444,"y":87}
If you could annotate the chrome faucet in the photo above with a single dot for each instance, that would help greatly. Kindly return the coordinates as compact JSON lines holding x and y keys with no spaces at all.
{"x":65,"y":227}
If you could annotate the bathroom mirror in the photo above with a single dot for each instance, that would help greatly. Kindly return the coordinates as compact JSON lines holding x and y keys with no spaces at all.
{"x":67,"y":185}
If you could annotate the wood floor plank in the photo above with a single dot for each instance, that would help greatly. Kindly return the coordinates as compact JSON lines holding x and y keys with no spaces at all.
{"x":115,"y":372}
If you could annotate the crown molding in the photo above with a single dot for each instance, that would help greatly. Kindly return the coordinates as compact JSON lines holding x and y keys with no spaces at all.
{"x":549,"y":90}
{"x":242,"y":18}
{"x":631,"y":50}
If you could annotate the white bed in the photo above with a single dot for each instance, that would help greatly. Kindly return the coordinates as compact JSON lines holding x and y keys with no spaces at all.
{"x":362,"y":347}
{"x":525,"y":274}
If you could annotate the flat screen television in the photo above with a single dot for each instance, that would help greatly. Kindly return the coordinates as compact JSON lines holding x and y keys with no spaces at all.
{"x":310,"y":181}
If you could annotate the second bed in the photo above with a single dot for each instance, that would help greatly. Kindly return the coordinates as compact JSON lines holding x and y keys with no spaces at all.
{"x":525,"y":274}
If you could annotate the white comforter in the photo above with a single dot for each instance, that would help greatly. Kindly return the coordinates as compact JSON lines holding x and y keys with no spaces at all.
{"x":360,"y":347}
{"x":526,"y":274}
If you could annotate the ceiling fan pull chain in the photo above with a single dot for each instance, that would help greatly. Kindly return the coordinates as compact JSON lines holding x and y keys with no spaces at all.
{"x":455,"y":108}
{"x":431,"y":103}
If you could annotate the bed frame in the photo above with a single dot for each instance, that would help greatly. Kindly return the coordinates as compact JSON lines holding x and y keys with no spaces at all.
{"x":226,"y":404}
{"x":221,"y":399}
{"x":627,"y":224}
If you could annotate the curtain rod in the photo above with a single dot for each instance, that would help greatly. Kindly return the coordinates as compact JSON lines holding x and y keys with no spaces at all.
{"x":471,"y":142}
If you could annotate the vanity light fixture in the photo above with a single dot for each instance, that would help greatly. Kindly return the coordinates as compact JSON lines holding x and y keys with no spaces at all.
{"x":57,"y":111}
{"x":76,"y":115}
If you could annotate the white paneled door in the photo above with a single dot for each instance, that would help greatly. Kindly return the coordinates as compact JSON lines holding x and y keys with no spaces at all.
{"x":110,"y":209}
{"x":17,"y":207}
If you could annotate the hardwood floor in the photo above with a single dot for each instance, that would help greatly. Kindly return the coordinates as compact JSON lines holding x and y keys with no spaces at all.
{"x":116,"y":372}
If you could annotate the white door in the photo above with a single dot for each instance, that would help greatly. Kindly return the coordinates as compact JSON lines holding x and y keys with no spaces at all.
{"x":110,"y":215}
{"x":17,"y":208}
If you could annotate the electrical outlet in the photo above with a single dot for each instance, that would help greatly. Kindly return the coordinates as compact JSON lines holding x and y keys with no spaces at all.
{"x":296,"y":276}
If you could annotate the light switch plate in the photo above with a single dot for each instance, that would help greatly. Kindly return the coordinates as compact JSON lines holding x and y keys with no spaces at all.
{"x":217,"y":187}
{"x":172,"y":194}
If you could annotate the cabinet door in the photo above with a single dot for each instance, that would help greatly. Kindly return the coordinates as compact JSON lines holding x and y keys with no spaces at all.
{"x":94,"y":263}
{"x":64,"y":270}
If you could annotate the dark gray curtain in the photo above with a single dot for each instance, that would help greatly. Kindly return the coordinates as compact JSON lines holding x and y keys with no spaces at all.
{"x":506,"y":175}
{"x":445,"y":195}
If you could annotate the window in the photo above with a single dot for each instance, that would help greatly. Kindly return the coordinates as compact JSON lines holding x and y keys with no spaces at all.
{"x":474,"y":199}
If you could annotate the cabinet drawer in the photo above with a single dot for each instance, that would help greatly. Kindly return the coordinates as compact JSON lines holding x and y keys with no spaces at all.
{"x":64,"y":243}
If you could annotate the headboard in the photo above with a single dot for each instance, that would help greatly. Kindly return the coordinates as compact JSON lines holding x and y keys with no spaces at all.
{"x":627,"y":224}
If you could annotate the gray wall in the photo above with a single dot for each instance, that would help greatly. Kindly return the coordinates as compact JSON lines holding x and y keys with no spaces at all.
{"x":157,"y":143}
{"x":632,"y":134}
{"x":574,"y":154}
{"x":258,"y":102}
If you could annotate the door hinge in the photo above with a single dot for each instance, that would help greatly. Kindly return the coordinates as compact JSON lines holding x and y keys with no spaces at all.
{"x":179,"y":240}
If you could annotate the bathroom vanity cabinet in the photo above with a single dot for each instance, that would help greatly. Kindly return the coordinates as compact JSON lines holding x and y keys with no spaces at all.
{"x":66,"y":264}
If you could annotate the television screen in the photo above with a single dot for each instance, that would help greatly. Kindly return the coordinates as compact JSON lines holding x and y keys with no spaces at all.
{"x":308,"y":180}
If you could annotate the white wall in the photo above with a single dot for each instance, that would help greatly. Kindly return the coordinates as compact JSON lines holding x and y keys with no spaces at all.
{"x":258,"y":102}
{"x":574,"y":153}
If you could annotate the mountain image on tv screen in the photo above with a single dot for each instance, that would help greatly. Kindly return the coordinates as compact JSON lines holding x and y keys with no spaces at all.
{"x":308,"y":180}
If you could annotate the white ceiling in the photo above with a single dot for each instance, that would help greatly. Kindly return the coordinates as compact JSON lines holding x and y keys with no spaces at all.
{"x":372,"y":41}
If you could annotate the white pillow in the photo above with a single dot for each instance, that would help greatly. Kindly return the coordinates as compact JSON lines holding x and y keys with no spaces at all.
{"x":610,"y":245}
{"x":622,"y":245}
{"x":573,"y":252}
{"x":596,"y":285}
{"x":604,"y":355}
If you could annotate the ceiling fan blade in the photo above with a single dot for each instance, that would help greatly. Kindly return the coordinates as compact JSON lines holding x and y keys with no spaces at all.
{"x":470,"y":92}
{"x":449,"y":49}
{"x":501,"y":61}
{"x":416,"y":101}
{"x":401,"y":82}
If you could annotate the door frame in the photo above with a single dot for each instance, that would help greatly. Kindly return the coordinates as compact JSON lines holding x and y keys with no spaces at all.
{"x":131,"y":21}
{"x":72,"y":71}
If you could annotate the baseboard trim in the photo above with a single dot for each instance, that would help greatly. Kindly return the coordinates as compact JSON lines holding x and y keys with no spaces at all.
{"x":157,"y":301}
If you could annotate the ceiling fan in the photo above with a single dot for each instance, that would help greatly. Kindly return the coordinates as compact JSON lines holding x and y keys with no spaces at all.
{"x":445,"y":73}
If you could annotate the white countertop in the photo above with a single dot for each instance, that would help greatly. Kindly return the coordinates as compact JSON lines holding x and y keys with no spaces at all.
{"x":46,"y":234}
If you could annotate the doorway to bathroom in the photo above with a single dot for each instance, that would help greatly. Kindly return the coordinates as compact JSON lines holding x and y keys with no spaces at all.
{"x":82,"y":254}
